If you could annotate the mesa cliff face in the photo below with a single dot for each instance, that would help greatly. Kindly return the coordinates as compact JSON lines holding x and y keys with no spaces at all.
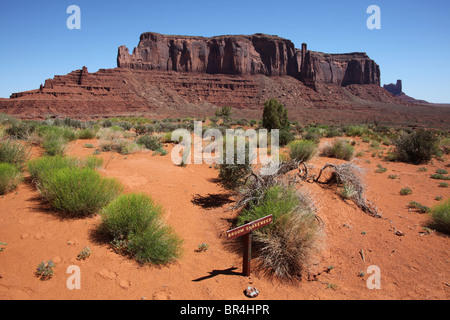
{"x":248,"y":55}
{"x":236,"y":55}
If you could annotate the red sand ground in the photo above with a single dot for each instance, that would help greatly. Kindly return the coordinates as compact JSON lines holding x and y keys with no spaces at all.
{"x":413,"y":266}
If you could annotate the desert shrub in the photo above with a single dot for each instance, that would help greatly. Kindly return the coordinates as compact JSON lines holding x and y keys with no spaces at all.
{"x":302,"y":150}
{"x":107,"y":123}
{"x":405,"y":191}
{"x":113,"y":140}
{"x":438,"y":176}
{"x":440,"y":216}
{"x":39,"y":168}
{"x":150,"y":142}
{"x":10,"y":177}
{"x":14,"y":152}
{"x":135,"y":221}
{"x":356,"y":130}
{"x":128,"y":214}
{"x":419,"y":207}
{"x":347,"y":192}
{"x":286,"y":246}
{"x":7,"y":119}
{"x":441,"y":171}
{"x":54,"y":145}
{"x":157,"y":245}
{"x":340,"y":149}
{"x":167,"y":137}
{"x":86,"y":134}
{"x":78,"y":192}
{"x":66,"y":133}
{"x":21,"y":129}
{"x":55,"y":139}
{"x":416,"y":147}
{"x":380,"y":169}
{"x":141,"y":129}
{"x":277,"y":200}
{"x":225,"y":113}
{"x":443,"y":185}
{"x":333,"y":132}
{"x":285,"y":136}
{"x":232,"y":175}
{"x":77,"y":124}
{"x":122,"y":146}
{"x":125,"y":125}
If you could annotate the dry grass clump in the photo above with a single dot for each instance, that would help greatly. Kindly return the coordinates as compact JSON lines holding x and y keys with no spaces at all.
{"x":115,"y":141}
{"x":288,"y":247}
{"x":350,"y":175}
{"x":285,"y":247}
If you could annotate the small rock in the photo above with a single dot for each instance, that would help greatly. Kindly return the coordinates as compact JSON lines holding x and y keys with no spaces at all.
{"x":39,"y":236}
{"x":71,"y":242}
{"x":124,"y":284}
{"x":399,"y":233}
{"x":251,"y":292}
{"x":24,"y":236}
{"x":107,"y":274}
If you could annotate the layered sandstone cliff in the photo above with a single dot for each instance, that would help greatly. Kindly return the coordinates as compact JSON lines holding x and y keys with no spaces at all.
{"x":248,"y":55}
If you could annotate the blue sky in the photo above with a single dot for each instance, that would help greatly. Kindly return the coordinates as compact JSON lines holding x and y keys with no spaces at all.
{"x":412,"y":45}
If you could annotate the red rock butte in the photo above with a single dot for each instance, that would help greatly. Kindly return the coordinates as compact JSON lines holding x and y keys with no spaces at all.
{"x":172,"y":76}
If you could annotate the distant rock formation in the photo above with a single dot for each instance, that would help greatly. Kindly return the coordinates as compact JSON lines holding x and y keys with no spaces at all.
{"x":248,"y":55}
{"x":397,"y":90}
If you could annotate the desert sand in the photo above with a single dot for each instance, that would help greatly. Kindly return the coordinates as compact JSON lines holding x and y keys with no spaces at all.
{"x":414,"y":265}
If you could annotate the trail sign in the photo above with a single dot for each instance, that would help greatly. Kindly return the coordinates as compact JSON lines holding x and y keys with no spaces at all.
{"x":246,"y":231}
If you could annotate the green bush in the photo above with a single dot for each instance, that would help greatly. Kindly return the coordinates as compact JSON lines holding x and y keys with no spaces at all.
{"x":416,"y":147}
{"x":14,"y":152}
{"x":405,"y":191}
{"x":135,"y":221}
{"x":150,"y":142}
{"x":440,"y":216}
{"x":10,"y":177}
{"x":55,"y":139}
{"x":340,"y":149}
{"x":438,"y":176}
{"x":157,"y":245}
{"x":78,"y":192}
{"x":21,"y":129}
{"x":356,"y":130}
{"x":224,"y":113}
{"x":275,"y":116}
{"x":285,"y":136}
{"x":66,"y":133}
{"x":302,"y":150}
{"x":86,"y":134}
{"x":277,"y":201}
{"x":54,"y":145}
{"x":128,"y":214}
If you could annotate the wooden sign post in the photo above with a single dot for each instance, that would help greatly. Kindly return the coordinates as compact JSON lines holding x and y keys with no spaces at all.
{"x":246,"y":231}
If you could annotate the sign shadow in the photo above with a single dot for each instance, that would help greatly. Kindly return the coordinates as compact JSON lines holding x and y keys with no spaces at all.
{"x":212,"y":274}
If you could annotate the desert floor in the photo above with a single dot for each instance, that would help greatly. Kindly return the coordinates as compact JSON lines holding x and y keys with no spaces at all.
{"x":413,"y":266}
